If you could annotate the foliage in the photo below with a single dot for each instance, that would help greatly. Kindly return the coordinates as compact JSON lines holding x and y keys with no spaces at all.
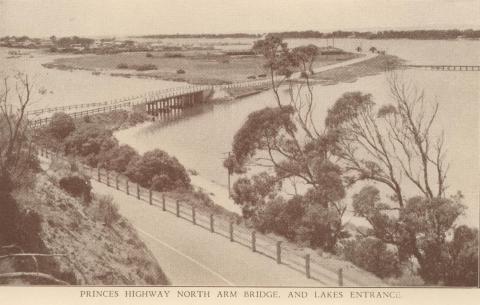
{"x":158,"y":170}
{"x":285,"y":139}
{"x":372,"y":255}
{"x":88,"y":140}
{"x":252,"y":193}
{"x":419,"y":229}
{"x":77,"y":186}
{"x":462,"y":262}
{"x":260,"y":125}
{"x":106,"y":210}
{"x":413,"y":34}
{"x":144,"y":67}
{"x":122,"y":66}
{"x":61,"y":125}
{"x":300,"y":220}
{"x":117,"y":158}
{"x":18,"y":161}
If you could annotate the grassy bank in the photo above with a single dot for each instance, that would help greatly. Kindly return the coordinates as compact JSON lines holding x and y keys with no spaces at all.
{"x":351,"y":73}
{"x":200,"y":67}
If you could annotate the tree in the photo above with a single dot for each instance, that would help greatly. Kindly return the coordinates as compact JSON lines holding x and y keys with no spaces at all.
{"x":61,"y":125}
{"x":372,"y":255}
{"x":285,"y":140}
{"x":17,"y":153}
{"x":90,"y":140}
{"x":391,"y":142}
{"x":158,"y":170}
{"x":118,"y":158}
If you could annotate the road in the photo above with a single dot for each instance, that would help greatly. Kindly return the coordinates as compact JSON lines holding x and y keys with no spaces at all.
{"x":190,"y":255}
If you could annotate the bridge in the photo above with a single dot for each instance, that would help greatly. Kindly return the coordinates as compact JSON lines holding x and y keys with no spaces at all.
{"x":445,"y":67}
{"x":165,"y":102}
{"x":161,"y":102}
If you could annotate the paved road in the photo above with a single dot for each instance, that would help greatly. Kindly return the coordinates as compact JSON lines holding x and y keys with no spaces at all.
{"x":190,"y":255}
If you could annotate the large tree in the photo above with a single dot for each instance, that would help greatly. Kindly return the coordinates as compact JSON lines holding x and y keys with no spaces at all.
{"x":399,"y":147}
{"x":285,"y":140}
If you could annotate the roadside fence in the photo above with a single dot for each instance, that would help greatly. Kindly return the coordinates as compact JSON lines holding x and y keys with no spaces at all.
{"x":313,"y":266}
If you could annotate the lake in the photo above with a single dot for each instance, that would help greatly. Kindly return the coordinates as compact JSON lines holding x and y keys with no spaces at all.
{"x":202,"y":137}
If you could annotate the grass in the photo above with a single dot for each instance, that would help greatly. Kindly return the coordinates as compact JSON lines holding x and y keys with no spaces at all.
{"x":200,"y":67}
{"x":351,"y":73}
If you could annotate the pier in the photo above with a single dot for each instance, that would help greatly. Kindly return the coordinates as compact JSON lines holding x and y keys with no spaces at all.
{"x":445,"y":67}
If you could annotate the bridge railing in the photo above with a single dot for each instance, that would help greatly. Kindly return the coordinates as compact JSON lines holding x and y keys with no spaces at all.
{"x":163,"y":93}
{"x":149,"y":97}
{"x":312,"y":265}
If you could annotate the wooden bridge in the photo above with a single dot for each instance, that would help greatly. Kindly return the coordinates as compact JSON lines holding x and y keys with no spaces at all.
{"x":445,"y":67}
{"x":161,"y":102}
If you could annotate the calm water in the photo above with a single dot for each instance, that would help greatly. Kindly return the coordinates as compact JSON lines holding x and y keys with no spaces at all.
{"x":73,"y":87}
{"x":200,"y":140}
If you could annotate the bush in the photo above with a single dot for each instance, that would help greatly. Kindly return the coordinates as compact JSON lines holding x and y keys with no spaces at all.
{"x":106,"y":210}
{"x":149,"y":55}
{"x":122,"y":66}
{"x":137,"y":117}
{"x":203,"y":198}
{"x":61,"y":125}
{"x":462,"y":264}
{"x":173,"y":55}
{"x":77,"y":186}
{"x":158,"y":170}
{"x":181,"y":71}
{"x":372,"y":255}
{"x":90,"y":140}
{"x":145,"y":67}
{"x":118,"y":158}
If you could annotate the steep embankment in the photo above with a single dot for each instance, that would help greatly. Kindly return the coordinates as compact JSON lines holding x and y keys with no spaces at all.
{"x":96,"y":246}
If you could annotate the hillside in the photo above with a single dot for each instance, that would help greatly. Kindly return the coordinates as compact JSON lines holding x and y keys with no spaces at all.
{"x":96,"y":246}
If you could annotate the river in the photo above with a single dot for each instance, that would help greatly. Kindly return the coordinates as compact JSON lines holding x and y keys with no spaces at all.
{"x":200,"y":139}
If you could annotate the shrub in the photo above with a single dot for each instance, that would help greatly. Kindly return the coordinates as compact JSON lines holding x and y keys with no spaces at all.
{"x":158,"y":170}
{"x":462,"y":264}
{"x":372,"y":255}
{"x":77,"y":186}
{"x":173,"y":55}
{"x":61,"y":125}
{"x":149,"y":55}
{"x":203,"y":198}
{"x":106,"y":210}
{"x":137,"y":117}
{"x":122,"y":66}
{"x":88,"y":141}
{"x":118,"y":158}
{"x":145,"y":67}
{"x":181,"y":71}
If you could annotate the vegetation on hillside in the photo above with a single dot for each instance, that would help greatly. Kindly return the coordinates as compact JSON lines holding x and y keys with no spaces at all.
{"x":92,"y":141}
{"x":49,"y":219}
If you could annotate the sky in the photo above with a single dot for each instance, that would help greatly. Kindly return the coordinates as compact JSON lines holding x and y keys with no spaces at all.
{"x":42,"y":18}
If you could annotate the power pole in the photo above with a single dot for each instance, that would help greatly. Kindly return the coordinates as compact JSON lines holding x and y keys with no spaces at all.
{"x":229,"y":174}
